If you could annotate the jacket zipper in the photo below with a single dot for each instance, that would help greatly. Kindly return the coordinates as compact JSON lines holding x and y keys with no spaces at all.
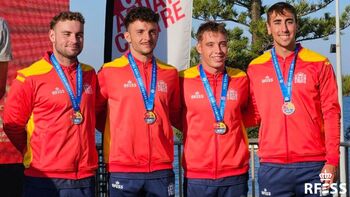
{"x":216,"y":137}
{"x":145,"y":72}
{"x":285,"y":116}
{"x":73,"y":86}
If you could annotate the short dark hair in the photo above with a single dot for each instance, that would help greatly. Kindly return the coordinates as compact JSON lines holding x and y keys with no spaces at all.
{"x":280,"y":9}
{"x":67,"y":15}
{"x":142,"y":14}
{"x":211,"y":26}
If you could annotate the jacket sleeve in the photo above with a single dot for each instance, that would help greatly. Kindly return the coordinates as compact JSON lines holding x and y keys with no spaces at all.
{"x":175,"y":104}
{"x":18,"y":110}
{"x":330,"y":111}
{"x":101,"y":101}
{"x":251,"y":117}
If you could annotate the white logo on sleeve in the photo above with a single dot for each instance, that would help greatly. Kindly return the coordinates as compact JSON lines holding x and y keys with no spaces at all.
{"x":300,"y":78}
{"x":117,"y":185}
{"x":267,"y":79}
{"x":57,"y":91}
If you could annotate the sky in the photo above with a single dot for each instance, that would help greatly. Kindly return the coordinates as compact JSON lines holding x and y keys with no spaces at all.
{"x":94,"y":13}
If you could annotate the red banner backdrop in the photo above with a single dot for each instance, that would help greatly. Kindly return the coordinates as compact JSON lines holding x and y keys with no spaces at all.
{"x":29,"y":26}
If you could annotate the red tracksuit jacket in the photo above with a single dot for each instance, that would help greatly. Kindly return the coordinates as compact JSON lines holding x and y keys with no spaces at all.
{"x":311,"y":133}
{"x":37,"y":119}
{"x":131,"y":145}
{"x":209,"y":155}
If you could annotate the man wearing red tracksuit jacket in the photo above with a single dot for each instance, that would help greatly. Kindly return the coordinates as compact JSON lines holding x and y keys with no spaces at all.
{"x":140,"y":97}
{"x":216,"y":157}
{"x":295,"y":92}
{"x":50,"y":116}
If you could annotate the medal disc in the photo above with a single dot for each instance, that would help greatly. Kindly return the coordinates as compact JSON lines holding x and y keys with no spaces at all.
{"x":288,"y":108}
{"x":220,"y":128}
{"x":77,"y":118}
{"x":150,"y":117}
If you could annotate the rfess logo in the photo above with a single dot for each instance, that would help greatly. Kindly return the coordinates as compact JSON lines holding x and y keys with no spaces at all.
{"x":325,"y":188}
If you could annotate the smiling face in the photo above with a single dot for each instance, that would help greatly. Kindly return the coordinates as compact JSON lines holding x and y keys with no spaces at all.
{"x":213,"y":50}
{"x":142,"y":37}
{"x":283,"y":28}
{"x":67,"y":38}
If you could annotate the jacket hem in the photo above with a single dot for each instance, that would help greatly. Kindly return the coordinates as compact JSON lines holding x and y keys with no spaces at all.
{"x":292,"y":159}
{"x":112,"y":167}
{"x":60,"y":174}
{"x":206,"y":174}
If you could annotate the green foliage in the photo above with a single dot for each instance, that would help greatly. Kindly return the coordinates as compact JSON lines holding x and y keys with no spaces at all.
{"x":253,"y":132}
{"x":238,"y":54}
{"x":346,"y":85}
{"x":178,"y":134}
{"x":244,"y":49}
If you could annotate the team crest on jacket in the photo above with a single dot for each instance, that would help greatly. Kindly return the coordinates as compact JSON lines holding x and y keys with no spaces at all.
{"x":197,"y":95}
{"x":162,"y":86}
{"x":87,"y":89}
{"x":232,"y":95}
{"x":129,"y":84}
{"x":300,"y":78}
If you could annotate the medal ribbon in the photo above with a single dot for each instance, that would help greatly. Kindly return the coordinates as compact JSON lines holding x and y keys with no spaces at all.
{"x":147,"y":100}
{"x":286,"y":89}
{"x":74,"y":100}
{"x":219,"y":114}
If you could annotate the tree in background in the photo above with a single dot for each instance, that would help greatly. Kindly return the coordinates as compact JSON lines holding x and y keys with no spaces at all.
{"x":346,"y":85}
{"x":250,"y":15}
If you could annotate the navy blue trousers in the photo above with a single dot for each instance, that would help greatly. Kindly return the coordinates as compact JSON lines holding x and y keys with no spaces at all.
{"x":155,"y":184}
{"x":11,"y":180}
{"x":289,"y":180}
{"x":46,"y":187}
{"x":233,"y":186}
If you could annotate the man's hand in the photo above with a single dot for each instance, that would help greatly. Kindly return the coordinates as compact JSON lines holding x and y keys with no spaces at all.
{"x":329,"y":169}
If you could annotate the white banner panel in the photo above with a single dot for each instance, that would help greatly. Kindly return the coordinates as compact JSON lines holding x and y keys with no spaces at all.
{"x":175,"y":23}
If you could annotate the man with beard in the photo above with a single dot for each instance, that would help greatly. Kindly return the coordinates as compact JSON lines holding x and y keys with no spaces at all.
{"x":50,"y":116}
{"x":140,"y":97}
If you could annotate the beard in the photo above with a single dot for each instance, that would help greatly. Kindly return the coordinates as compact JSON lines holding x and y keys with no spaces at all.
{"x":72,"y":55}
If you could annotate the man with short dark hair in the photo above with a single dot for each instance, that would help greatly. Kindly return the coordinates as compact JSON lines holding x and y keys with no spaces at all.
{"x":216,"y":156}
{"x":140,"y":96}
{"x":50,"y":116}
{"x":296,"y":96}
